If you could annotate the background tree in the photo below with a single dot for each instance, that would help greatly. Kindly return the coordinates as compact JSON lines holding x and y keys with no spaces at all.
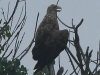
{"x":10,"y":31}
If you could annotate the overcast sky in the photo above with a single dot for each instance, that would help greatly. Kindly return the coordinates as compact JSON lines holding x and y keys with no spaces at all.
{"x":89,"y":31}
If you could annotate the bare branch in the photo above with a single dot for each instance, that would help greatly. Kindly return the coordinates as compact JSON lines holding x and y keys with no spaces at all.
{"x":57,"y":2}
{"x":99,"y":51}
{"x":4,"y":15}
{"x":96,"y":67}
{"x":9,"y":54}
{"x":59,"y":61}
{"x":64,"y":23}
{"x":36,"y":26}
{"x":17,"y":2}
{"x":65,"y":72}
{"x":75,"y":69}
{"x":16,"y":46}
{"x":16,"y":26}
{"x":67,"y":49}
{"x":8,"y":10}
{"x":72,"y":63}
{"x":9,"y":44}
{"x":28,"y":48}
{"x":79,"y":24}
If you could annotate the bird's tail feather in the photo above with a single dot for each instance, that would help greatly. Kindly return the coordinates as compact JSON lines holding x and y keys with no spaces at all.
{"x":38,"y":69}
{"x":37,"y":65}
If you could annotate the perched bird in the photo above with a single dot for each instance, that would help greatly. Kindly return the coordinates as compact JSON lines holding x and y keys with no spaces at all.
{"x":49,"y":41}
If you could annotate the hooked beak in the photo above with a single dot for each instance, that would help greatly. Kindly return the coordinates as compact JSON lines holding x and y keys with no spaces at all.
{"x":59,"y":8}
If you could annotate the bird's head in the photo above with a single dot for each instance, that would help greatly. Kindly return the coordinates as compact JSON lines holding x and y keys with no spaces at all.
{"x":53,"y":8}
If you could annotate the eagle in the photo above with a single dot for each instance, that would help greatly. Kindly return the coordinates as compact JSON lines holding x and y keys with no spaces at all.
{"x":49,"y":41}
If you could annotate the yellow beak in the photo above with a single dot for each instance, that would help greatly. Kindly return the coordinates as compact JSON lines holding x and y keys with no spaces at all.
{"x":59,"y":8}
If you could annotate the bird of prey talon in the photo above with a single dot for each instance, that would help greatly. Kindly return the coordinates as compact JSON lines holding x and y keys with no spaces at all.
{"x":49,"y":41}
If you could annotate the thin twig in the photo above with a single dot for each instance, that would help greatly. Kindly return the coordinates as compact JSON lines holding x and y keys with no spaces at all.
{"x":69,"y":38}
{"x":11,"y":23}
{"x":28,"y":48}
{"x":16,"y":46}
{"x":17,"y":2}
{"x":9,"y":53}
{"x":4,"y":15}
{"x":57,"y":2}
{"x":65,"y":72}
{"x":12,"y":40}
{"x":8,"y":10}
{"x":78,"y":48}
{"x":99,"y":51}
{"x":21,"y":23}
{"x":20,"y":54}
{"x":96,"y":67}
{"x":72,"y":63}
{"x":64,"y":23}
{"x":19,"y":44}
{"x":72,"y":55}
{"x":16,"y":26}
{"x":59,"y":61}
{"x":75,"y":69}
{"x":9,"y":44}
{"x":36,"y":26}
{"x":94,"y":61}
{"x":11,"y":19}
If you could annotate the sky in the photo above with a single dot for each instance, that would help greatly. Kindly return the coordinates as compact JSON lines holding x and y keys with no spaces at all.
{"x":89,"y":31}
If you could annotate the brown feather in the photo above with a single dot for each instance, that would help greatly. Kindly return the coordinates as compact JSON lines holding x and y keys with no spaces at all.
{"x":50,"y":41}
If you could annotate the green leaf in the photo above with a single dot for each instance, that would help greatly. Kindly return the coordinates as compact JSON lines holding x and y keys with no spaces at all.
{"x":9,"y":67}
{"x":23,"y":68}
{"x":8,"y":34}
{"x":0,"y":59}
{"x":2,"y":48}
{"x":17,"y":63}
{"x":5,"y":23}
{"x":7,"y":27}
{"x":4,"y":61}
{"x":1,"y":69}
{"x":3,"y":36}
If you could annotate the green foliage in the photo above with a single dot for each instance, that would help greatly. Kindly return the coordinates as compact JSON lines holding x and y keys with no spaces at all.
{"x":5,"y":31}
{"x":8,"y":67}
{"x":13,"y":66}
{"x":1,"y":48}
